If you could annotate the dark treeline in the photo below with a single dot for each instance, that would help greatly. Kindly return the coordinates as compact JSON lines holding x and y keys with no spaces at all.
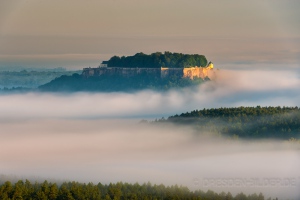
{"x":246,"y":122}
{"x":119,"y":191}
{"x":157,"y":60}
{"x":111,"y":83}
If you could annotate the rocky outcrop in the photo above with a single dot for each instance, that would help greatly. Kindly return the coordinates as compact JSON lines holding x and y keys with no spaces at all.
{"x":199,"y":72}
{"x":190,"y":72}
{"x":125,"y":72}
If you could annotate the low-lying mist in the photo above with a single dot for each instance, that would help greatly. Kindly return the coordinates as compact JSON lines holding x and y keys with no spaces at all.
{"x":96,"y":137}
{"x":230,"y":89}
{"x":121,"y":150}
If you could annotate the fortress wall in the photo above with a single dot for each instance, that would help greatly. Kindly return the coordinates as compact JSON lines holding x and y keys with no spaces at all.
{"x":200,"y":72}
{"x":175,"y":72}
{"x":167,"y":72}
{"x":191,"y":72}
{"x":126,"y":72}
{"x":164,"y":72}
{"x":86,"y":72}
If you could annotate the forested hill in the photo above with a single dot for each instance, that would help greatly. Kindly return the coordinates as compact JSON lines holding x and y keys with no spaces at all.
{"x":157,"y":60}
{"x":246,"y":122}
{"x":117,"y":83}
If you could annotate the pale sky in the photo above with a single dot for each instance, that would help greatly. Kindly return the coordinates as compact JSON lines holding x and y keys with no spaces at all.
{"x":77,"y":33}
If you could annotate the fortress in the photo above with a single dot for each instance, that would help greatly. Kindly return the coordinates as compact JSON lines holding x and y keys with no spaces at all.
{"x":162,"y":72}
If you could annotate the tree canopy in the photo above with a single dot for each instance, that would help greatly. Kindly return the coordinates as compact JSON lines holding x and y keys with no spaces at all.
{"x":119,"y":191}
{"x":246,"y":122}
{"x":157,"y":60}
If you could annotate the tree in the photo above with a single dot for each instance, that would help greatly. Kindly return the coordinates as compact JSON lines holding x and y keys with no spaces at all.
{"x":6,"y":190}
{"x":53,"y":191}
{"x":64,"y":194}
{"x":157,"y":60}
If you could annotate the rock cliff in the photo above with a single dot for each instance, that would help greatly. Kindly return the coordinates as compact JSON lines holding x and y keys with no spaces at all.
{"x":190,"y":72}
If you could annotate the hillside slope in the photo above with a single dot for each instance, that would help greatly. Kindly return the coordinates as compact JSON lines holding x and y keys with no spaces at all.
{"x":245,"y":122}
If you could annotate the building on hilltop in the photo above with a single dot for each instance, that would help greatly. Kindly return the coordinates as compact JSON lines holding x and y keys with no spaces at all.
{"x":104,"y":64}
{"x":162,"y":72}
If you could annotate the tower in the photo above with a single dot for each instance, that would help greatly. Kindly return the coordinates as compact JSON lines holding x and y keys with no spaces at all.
{"x":210,"y":65}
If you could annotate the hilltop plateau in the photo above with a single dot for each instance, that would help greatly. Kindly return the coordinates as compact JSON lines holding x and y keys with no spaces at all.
{"x":159,"y":71}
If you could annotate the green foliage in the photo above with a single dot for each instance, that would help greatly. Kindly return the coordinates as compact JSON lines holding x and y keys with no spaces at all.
{"x":157,"y":60}
{"x":110,"y":83}
{"x":118,"y":191}
{"x":244,"y":122}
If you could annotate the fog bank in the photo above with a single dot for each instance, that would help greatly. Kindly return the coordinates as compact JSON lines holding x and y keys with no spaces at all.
{"x":231,"y":88}
{"x":96,"y":137}
{"x":120,"y":150}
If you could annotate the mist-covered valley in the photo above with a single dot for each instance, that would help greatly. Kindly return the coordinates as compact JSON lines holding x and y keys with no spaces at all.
{"x":64,"y":120}
{"x":230,"y":88}
{"x":98,"y":137}
{"x":121,"y":150}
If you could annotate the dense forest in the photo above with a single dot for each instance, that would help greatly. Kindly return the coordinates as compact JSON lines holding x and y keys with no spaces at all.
{"x":119,"y":191}
{"x":112,"y":83}
{"x":157,"y":60}
{"x":245,"y":122}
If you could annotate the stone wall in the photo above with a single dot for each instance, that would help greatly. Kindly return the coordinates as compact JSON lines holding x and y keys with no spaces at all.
{"x":191,"y":72}
{"x":167,"y":72}
{"x":126,"y":72}
{"x":200,"y":72}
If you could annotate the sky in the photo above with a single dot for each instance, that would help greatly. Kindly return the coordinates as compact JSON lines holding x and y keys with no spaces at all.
{"x":232,"y":34}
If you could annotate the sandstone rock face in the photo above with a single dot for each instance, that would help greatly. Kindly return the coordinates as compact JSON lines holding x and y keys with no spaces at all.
{"x":199,"y":72}
{"x":125,"y":72}
{"x":191,"y":72}
{"x":167,"y":72}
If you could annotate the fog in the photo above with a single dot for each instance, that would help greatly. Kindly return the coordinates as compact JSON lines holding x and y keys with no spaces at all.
{"x":123,"y":150}
{"x":230,"y":88}
{"x":97,"y":137}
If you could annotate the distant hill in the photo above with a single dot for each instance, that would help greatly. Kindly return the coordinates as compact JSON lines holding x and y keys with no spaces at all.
{"x":30,"y":79}
{"x":159,"y":71}
{"x":245,"y":122}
